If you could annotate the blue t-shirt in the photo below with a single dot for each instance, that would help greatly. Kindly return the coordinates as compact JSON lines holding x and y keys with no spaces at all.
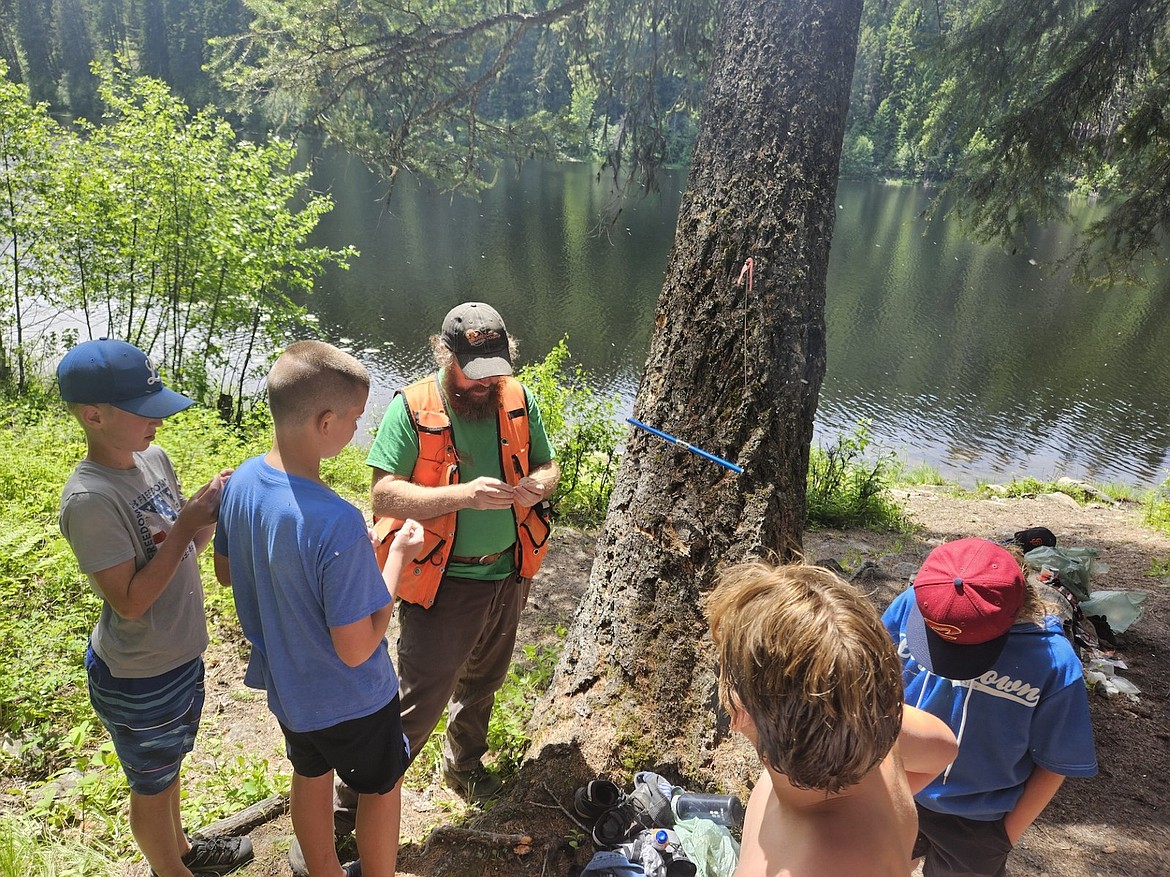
{"x":1030,"y":709}
{"x":301,"y":562}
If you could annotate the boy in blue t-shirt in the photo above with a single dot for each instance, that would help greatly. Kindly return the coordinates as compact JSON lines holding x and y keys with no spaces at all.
{"x":315,"y":607}
{"x":978,"y":652}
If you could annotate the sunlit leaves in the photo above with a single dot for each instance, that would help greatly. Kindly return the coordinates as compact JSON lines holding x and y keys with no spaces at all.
{"x":160,"y":227}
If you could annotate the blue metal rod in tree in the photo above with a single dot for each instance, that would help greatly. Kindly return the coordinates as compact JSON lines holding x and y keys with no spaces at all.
{"x":662,"y":435}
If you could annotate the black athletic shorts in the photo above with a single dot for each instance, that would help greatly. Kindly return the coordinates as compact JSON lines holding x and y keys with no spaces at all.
{"x":369,"y":754}
{"x":958,"y":847}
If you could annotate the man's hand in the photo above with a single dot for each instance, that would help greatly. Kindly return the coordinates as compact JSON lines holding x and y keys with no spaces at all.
{"x":528,"y":492}
{"x":489,"y":493}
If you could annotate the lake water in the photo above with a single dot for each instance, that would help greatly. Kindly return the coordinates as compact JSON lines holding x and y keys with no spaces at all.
{"x":983,"y":364}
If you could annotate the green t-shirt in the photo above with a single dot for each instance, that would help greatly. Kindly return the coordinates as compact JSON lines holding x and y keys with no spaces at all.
{"x":477,"y":532}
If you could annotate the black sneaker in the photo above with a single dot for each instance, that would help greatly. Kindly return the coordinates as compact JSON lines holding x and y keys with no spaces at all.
{"x":477,"y":785}
{"x":648,"y":806}
{"x":216,"y":855}
{"x":595,"y":797}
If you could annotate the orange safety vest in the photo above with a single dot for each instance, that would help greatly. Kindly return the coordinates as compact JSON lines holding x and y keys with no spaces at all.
{"x":437,"y":465}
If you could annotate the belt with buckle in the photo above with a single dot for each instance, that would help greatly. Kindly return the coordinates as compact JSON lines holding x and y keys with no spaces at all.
{"x":485,"y":560}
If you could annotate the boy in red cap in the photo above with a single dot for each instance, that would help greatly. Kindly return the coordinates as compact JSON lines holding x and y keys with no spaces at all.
{"x":979,"y":652}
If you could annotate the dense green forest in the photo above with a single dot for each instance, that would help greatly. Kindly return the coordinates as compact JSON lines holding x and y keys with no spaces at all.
{"x":49,"y":45}
{"x":564,"y":99}
{"x":942,"y":89}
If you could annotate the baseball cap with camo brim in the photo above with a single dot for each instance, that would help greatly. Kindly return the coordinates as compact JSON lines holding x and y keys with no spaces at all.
{"x":475,"y":333}
{"x":113,"y":372}
{"x":966,"y":598}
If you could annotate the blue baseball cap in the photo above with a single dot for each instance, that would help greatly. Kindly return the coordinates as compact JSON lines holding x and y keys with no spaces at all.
{"x":118,"y":374}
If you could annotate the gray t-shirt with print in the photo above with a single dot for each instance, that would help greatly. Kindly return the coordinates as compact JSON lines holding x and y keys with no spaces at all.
{"x":108,"y":517}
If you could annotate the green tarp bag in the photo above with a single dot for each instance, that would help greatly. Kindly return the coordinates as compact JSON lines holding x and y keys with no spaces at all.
{"x":1072,"y":566}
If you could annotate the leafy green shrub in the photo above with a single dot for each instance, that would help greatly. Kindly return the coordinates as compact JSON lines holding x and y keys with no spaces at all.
{"x":237,"y":781}
{"x":846,"y":488}
{"x":527,"y":679}
{"x":90,"y":794}
{"x":1157,"y":510}
{"x":584,"y":432}
{"x":857,"y":162}
{"x":47,"y":604}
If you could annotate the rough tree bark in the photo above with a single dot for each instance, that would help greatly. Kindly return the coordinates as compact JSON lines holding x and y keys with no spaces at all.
{"x":733,"y":371}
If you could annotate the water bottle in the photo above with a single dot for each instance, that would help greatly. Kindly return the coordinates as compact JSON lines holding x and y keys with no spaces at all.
{"x":722,"y":809}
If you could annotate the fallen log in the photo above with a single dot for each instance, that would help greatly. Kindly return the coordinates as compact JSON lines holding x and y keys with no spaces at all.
{"x":246,"y":819}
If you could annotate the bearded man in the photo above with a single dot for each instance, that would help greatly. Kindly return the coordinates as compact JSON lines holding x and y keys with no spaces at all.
{"x":465,"y":452}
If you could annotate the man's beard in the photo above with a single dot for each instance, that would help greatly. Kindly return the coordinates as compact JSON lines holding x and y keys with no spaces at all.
{"x":471,"y":407}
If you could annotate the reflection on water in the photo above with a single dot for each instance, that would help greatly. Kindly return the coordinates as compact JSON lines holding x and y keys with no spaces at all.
{"x":978,"y":362}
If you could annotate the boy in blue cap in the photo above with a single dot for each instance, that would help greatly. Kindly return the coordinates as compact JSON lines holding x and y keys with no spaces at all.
{"x":137,"y":539}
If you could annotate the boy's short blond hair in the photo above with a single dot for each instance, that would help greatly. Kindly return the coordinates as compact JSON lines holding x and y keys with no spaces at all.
{"x":806,"y":656}
{"x":312,"y":377}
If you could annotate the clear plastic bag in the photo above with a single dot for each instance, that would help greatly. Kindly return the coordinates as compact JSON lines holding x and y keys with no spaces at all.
{"x":709,"y":845}
{"x":1073,"y":566}
{"x":1120,"y":608}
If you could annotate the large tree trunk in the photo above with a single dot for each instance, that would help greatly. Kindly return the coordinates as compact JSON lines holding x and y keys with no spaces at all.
{"x":733,"y":371}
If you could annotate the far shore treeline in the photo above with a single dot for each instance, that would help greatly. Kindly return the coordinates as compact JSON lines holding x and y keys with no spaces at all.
{"x":896,"y":128}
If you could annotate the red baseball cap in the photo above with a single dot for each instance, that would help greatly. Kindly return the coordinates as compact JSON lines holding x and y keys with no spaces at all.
{"x":967,"y":595}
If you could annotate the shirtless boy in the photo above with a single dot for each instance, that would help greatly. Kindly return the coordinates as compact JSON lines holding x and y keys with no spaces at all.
{"x":808,"y":675}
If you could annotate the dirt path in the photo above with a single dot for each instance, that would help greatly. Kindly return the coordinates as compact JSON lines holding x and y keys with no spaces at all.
{"x":1115,"y":824}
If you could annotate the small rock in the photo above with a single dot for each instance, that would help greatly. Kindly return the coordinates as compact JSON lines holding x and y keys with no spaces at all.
{"x":1062,"y":499}
{"x":905,"y":571}
{"x":65,"y":783}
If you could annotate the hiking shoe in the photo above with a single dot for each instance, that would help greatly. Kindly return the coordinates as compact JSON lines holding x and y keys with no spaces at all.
{"x":648,"y":806}
{"x":217,"y":855}
{"x":595,"y":797}
{"x":296,"y":859}
{"x":296,"y":862}
{"x":651,"y":800}
{"x":616,"y":826}
{"x":477,"y":785}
